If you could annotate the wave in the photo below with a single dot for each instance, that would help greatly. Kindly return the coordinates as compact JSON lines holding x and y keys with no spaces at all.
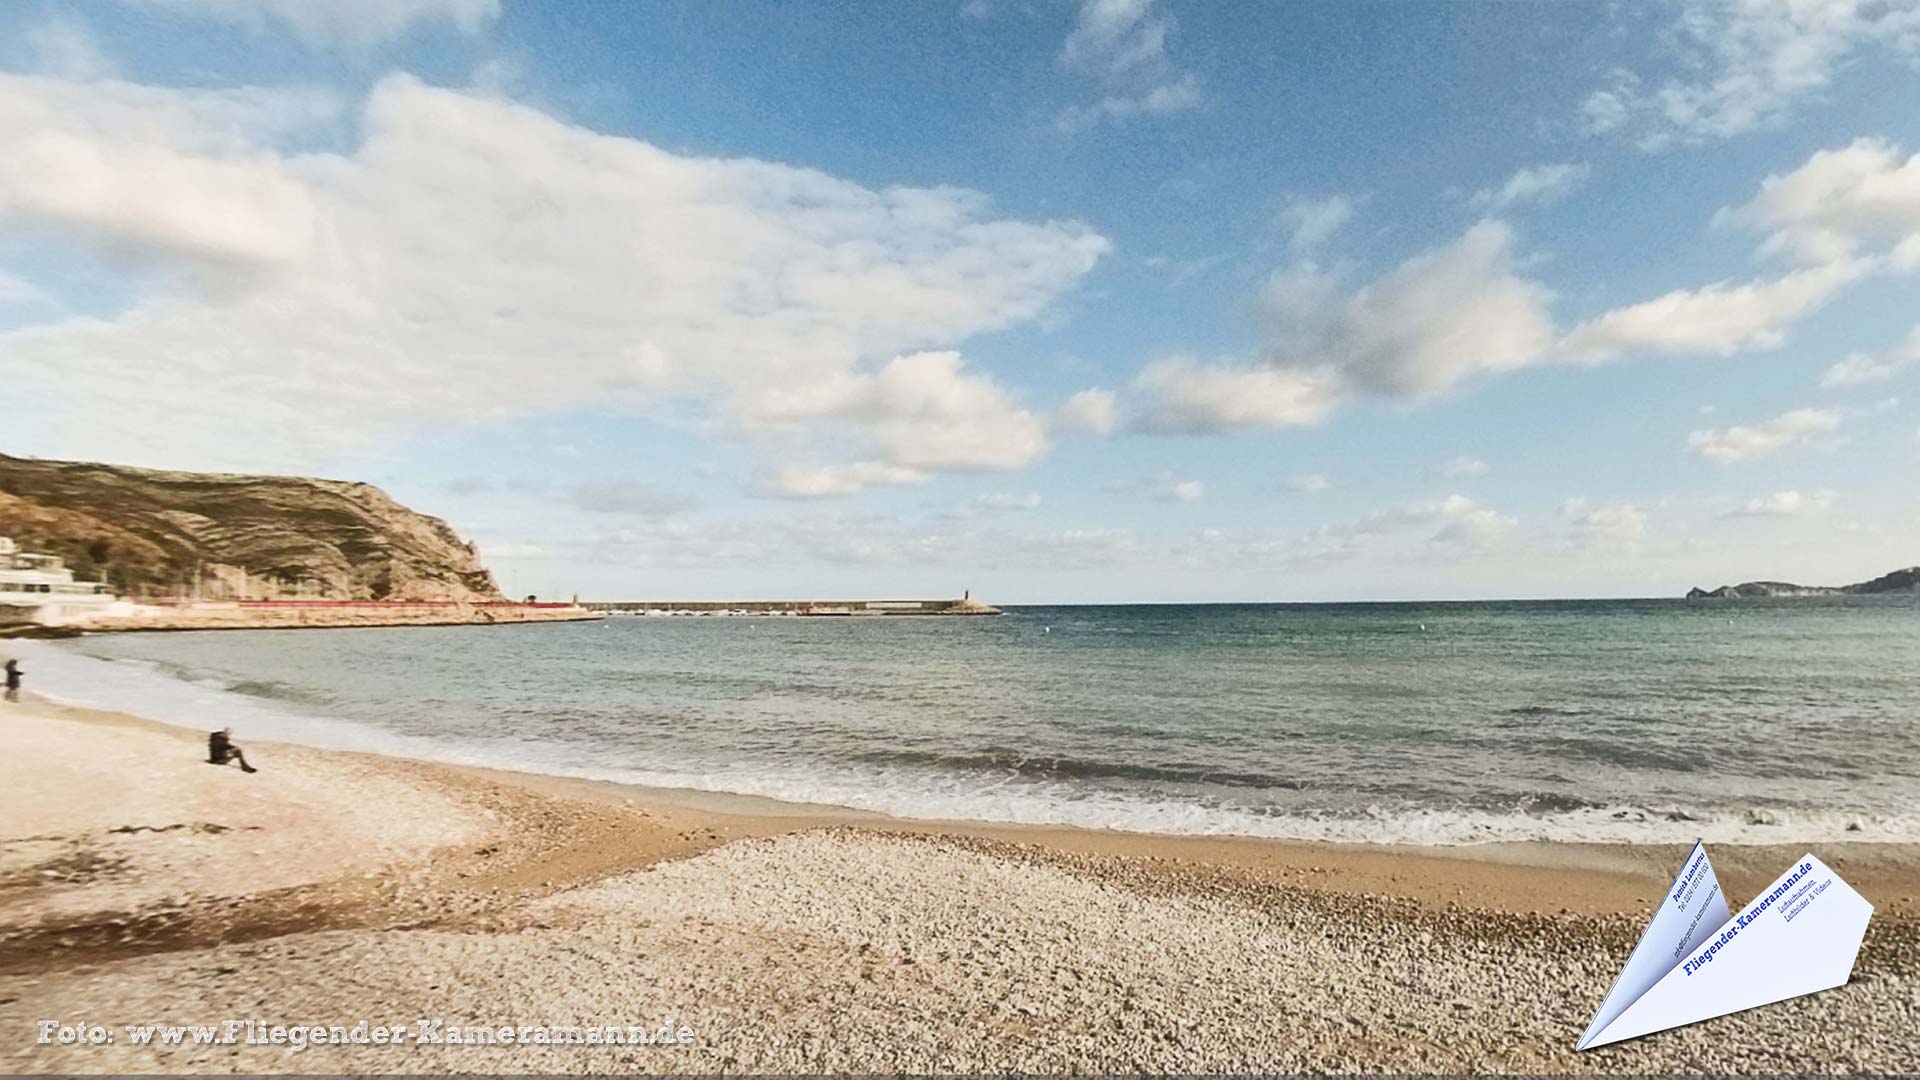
{"x":1609,"y":823}
{"x":1053,"y":767}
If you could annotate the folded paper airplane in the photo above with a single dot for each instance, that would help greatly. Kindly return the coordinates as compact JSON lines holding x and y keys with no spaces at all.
{"x":1697,"y":960}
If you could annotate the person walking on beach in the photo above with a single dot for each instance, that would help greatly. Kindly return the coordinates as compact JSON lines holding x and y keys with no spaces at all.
{"x":220,"y":750}
{"x":13,"y":680}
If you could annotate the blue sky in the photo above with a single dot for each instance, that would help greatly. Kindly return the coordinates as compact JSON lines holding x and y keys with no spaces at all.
{"x":1103,"y":301}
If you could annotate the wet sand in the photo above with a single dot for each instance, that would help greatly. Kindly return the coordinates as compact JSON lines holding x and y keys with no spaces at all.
{"x":140,"y":885}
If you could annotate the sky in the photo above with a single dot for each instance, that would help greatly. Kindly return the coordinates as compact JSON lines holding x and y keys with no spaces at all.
{"x":1056,"y":302}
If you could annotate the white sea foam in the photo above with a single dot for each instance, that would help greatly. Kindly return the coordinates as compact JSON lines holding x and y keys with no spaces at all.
{"x":945,"y":800}
{"x":146,"y":689}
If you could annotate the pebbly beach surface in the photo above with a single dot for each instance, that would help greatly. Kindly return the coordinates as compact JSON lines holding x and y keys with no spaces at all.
{"x":139,"y":886}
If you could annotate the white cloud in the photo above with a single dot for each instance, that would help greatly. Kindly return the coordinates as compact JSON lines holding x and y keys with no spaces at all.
{"x":1121,"y":45}
{"x":160,"y":175}
{"x":1449,"y":530}
{"x":1093,"y":411}
{"x":1413,"y":332}
{"x":1163,"y":100}
{"x":1182,"y":271}
{"x":1604,"y":526}
{"x":1748,"y":65}
{"x":339,"y":22}
{"x":1860,"y":368}
{"x":835,"y":481}
{"x":1740,"y":443}
{"x":474,"y":260}
{"x":470,"y":485}
{"x":1311,"y":222}
{"x":1437,"y":318}
{"x":1862,"y":199}
{"x":1191,"y":398}
{"x":1457,"y":521}
{"x":1163,"y":487}
{"x":1469,"y":525}
{"x":65,"y":48}
{"x":1465,"y":309}
{"x":1537,"y":183}
{"x":1843,"y":215}
{"x":1786,"y":504}
{"x":1117,"y":40}
{"x":630,"y":497}
{"x":921,"y":411}
{"x":19,"y":291}
{"x":857,"y":540}
{"x":1718,"y":318}
{"x":1310,"y":483}
{"x":1608,"y":110}
{"x":1464,"y":465}
{"x":1078,"y":549}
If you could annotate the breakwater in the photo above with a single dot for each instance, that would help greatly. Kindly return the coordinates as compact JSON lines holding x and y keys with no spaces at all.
{"x":966,"y":605}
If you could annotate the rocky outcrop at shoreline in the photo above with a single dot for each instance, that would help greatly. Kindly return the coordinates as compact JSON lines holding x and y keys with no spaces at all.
{"x":154,"y":533}
{"x":1907,"y":580}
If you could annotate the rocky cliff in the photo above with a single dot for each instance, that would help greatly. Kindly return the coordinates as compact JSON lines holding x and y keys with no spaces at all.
{"x":1907,"y":580}
{"x":156,"y":534}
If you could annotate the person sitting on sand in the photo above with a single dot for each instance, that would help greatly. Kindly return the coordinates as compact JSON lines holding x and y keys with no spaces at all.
{"x":220,"y":750}
{"x":13,"y":680}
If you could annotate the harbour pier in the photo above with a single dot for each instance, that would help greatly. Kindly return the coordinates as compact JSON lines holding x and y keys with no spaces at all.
{"x":966,"y":605}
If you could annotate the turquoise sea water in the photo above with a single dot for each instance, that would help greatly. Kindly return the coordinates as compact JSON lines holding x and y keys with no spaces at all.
{"x":1604,"y":720}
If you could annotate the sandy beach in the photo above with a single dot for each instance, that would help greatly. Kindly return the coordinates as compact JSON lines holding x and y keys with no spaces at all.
{"x":140,"y":886}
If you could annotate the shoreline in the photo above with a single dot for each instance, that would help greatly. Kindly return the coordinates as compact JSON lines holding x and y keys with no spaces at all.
{"x":1589,"y":878}
{"x":1605,"y":876}
{"x":1623,"y":822}
{"x":139,"y":883}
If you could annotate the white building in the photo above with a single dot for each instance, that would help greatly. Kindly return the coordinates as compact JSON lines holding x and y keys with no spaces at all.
{"x":40,"y":588}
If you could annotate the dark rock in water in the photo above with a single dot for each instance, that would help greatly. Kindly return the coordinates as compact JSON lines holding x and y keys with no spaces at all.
{"x":1907,"y":580}
{"x":156,"y":533}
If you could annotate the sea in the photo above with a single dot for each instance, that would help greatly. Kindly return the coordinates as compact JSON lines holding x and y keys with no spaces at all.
{"x":1616,"y":721}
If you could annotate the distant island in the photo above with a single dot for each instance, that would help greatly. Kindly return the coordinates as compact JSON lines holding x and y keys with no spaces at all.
{"x":1907,"y":580}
